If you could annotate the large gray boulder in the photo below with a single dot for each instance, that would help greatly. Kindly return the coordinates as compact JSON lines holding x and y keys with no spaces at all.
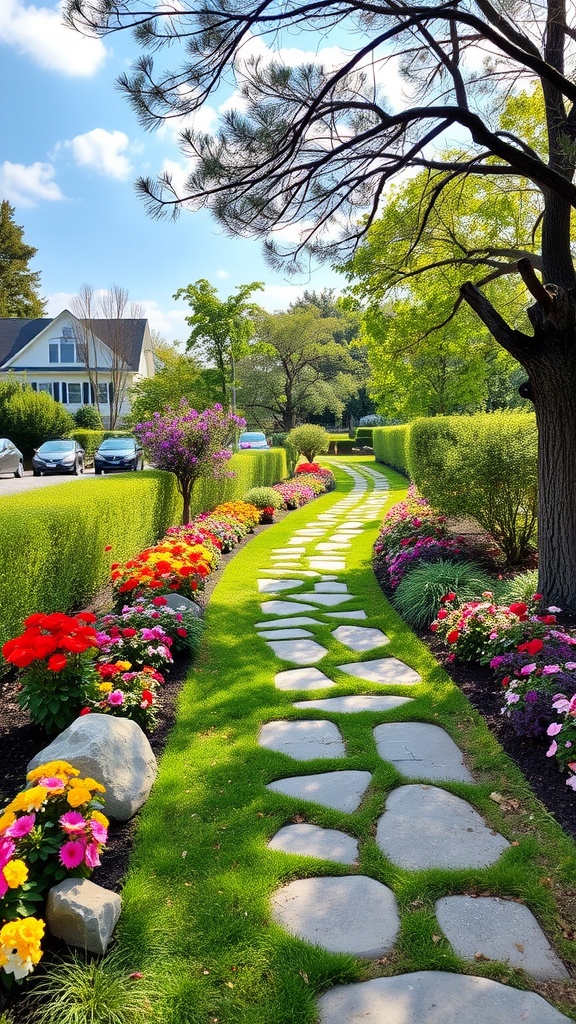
{"x":115,"y":752}
{"x":82,"y":914}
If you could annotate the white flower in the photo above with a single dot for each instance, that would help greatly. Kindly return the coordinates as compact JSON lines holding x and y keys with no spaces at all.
{"x":16,"y":966}
{"x":553,"y":608}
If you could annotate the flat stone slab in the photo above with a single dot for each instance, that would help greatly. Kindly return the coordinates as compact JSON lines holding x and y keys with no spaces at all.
{"x":302,"y":679}
{"x":328,"y":600}
{"x":499,"y":930}
{"x":313,"y":841}
{"x":354,"y":524}
{"x":299,"y":652}
{"x":352,"y":914}
{"x":273,"y":586}
{"x":288,"y":551}
{"x":346,"y":615}
{"x":420,"y":750}
{"x":330,"y":587}
{"x":343,"y":791}
{"x":298,"y":620}
{"x":434,"y":997}
{"x":327,"y":578}
{"x":330,"y":564}
{"x":288,"y":572}
{"x":426,"y":827}
{"x":284,"y":634}
{"x":354,"y":702}
{"x":304,"y":741}
{"x":310,"y":532}
{"x":360,"y":638}
{"x":286,"y":607}
{"x":382,"y":670}
{"x":332,"y":547}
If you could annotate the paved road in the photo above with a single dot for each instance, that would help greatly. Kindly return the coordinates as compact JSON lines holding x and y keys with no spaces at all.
{"x":11,"y":485}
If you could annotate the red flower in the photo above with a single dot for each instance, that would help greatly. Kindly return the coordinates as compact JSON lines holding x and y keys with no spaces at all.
{"x":182,"y":632}
{"x":531,"y":647}
{"x":57,"y":662}
{"x":506,"y":680}
{"x":448,"y":597}
{"x":442,"y":614}
{"x":434,"y":627}
{"x":159,"y":600}
{"x":108,"y":547}
{"x":536,"y":597}
{"x":453,"y":636}
{"x":85,"y":711}
{"x":129,"y":631}
{"x":518,"y":608}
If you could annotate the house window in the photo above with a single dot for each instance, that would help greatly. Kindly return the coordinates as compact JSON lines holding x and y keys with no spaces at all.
{"x":102,"y":394}
{"x":63,"y":351}
{"x":54,"y":354}
{"x":74,"y":394}
{"x":45,"y":387}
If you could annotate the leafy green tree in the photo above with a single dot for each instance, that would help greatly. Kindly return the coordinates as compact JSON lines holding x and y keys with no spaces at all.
{"x":295,"y":368}
{"x":18,"y":284}
{"x":309,"y":440}
{"x":177,"y":376}
{"x":221,"y":328}
{"x":30,"y":417}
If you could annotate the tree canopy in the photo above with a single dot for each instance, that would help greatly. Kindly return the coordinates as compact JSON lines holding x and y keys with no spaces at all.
{"x":19,"y":285}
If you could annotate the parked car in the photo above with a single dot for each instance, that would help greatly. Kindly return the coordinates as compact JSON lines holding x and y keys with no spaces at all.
{"x":60,"y":456}
{"x":118,"y":453}
{"x":253,"y":439}
{"x":11,"y":458}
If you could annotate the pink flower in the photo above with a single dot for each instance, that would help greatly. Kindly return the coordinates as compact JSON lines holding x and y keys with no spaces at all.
{"x":3,"y":884}
{"x":116,"y":697}
{"x":21,"y":827}
{"x":73,"y":822}
{"x":512,"y":698}
{"x":99,"y":831}
{"x":552,"y":749}
{"x":72,"y":853}
{"x":51,"y":782}
{"x":570,"y":665}
{"x":527,"y":669}
{"x":571,"y":782}
{"x":91,"y":855}
{"x":554,"y":729}
{"x":549,"y":670}
{"x":7,"y":848}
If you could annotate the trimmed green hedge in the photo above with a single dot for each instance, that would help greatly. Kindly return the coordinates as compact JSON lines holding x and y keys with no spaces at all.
{"x":342,"y":446}
{"x":483,"y":466}
{"x":52,"y":540}
{"x":391,"y":446}
{"x":364,"y":435}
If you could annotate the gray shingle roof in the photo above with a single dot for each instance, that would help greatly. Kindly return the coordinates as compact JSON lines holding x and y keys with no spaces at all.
{"x":124,"y":336}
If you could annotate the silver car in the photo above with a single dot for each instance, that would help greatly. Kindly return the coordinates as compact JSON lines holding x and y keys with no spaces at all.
{"x":11,"y":458}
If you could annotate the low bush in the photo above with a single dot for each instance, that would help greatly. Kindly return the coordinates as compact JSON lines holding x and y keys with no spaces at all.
{"x":30,"y":417}
{"x":87,"y":417}
{"x":521,"y":587}
{"x":263,"y":497}
{"x":309,"y":440}
{"x":483,"y":466}
{"x":364,"y":435}
{"x":342,"y":446}
{"x":417,"y":596}
{"x":88,"y":439}
{"x":391,"y":446}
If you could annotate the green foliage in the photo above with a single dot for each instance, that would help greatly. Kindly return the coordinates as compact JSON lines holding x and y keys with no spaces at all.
{"x":417,"y":596}
{"x":342,"y":446}
{"x":88,"y":418}
{"x":309,"y":440}
{"x":89,"y":440}
{"x":30,"y":417}
{"x":18,"y":284}
{"x":86,"y":990}
{"x":263,"y":497}
{"x":292,"y":456}
{"x":278,"y":439}
{"x":180,"y":376}
{"x":54,"y":699}
{"x":483,"y":466}
{"x":390,"y":446}
{"x":520,"y":588}
{"x":364,"y":434}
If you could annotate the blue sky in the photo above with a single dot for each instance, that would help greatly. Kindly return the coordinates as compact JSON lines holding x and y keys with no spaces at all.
{"x":69,"y":153}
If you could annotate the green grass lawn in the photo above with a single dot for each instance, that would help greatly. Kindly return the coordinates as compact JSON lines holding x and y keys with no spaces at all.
{"x":196,"y":900}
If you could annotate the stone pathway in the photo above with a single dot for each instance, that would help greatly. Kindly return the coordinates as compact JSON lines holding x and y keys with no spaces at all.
{"x":422,"y":826}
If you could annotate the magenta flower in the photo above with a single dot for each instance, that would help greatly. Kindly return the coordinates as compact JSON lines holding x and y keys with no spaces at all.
{"x":526,"y":670}
{"x":99,"y":831}
{"x":73,"y":822}
{"x":72,"y":853}
{"x":7,"y":848}
{"x":91,"y":855}
{"x":552,"y":749}
{"x":116,"y":697}
{"x":51,"y":782}
{"x":549,"y":670}
{"x":21,"y":827}
{"x":554,"y":729}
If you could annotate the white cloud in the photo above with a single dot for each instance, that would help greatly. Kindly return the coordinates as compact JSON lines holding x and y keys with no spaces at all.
{"x":27,"y":186}
{"x":169,"y":323}
{"x":103,"y":151}
{"x":39,"y":33}
{"x":222,"y":273}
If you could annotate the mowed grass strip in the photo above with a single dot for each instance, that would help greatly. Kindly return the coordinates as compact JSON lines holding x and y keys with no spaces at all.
{"x":196,"y":904}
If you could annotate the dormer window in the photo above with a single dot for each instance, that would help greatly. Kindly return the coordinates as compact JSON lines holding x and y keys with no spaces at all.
{"x":63,"y":351}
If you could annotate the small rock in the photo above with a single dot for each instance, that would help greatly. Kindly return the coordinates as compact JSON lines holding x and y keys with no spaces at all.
{"x":83,"y":914}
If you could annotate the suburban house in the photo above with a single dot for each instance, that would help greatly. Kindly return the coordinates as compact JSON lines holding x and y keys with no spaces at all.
{"x":79,"y":362}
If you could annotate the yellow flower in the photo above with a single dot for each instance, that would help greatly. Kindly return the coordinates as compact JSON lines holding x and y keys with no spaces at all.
{"x":92,"y":784}
{"x":79,"y":795}
{"x":104,"y":687}
{"x":24,"y":936}
{"x":98,"y":816}
{"x":15,"y":873}
{"x":52,"y":768}
{"x":28,"y":799}
{"x":6,"y":820}
{"x":123,"y":666}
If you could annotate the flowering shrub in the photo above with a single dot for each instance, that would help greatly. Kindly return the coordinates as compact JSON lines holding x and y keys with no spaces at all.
{"x":563,"y":735}
{"x":168,"y":566}
{"x":314,"y":481}
{"x":481,"y":630}
{"x":181,"y":627}
{"x":144,"y":645}
{"x":228,"y":532}
{"x":196,"y":533}
{"x":126,"y":693}
{"x":425,"y":549}
{"x":242,"y":511}
{"x":57,"y":654}
{"x":294,"y":494}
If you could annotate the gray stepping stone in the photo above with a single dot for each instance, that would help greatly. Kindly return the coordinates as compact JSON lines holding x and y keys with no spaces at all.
{"x":421,"y":750}
{"x":273,"y":586}
{"x":304,"y":741}
{"x":302,"y":679}
{"x":354,"y":524}
{"x":286,"y":607}
{"x":434,"y":997}
{"x":298,"y":620}
{"x":313,"y":841}
{"x":299,"y":652}
{"x":327,"y":578}
{"x":332,"y":549}
{"x":289,"y":572}
{"x":382,"y":670}
{"x":285,"y":634}
{"x":426,"y":827}
{"x":354,"y":702}
{"x":311,"y":532}
{"x":329,"y":587}
{"x":360,"y":638}
{"x":288,"y":552}
{"x":328,"y":600}
{"x":352,"y":914}
{"x":342,"y":791}
{"x":332,"y":564}
{"x":499,"y":930}
{"x":345,"y":615}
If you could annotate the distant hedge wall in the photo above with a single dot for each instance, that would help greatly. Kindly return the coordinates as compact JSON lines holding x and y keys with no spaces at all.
{"x":52,"y":540}
{"x":391,"y":446}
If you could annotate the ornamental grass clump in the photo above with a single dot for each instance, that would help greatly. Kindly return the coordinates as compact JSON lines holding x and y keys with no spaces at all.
{"x":55,"y":655}
{"x":418,"y":594}
{"x":264,"y":498}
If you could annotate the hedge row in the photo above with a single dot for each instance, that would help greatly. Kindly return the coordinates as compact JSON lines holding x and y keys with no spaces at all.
{"x":90,"y":440}
{"x":390,"y":446}
{"x":53,"y":540}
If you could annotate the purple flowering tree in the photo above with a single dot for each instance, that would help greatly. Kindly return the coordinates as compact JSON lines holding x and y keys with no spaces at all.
{"x":190,"y":444}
